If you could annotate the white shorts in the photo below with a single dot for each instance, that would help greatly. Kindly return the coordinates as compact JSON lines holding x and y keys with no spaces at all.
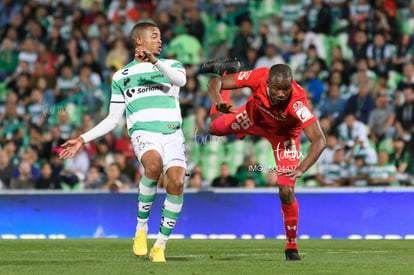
{"x":170,"y":146}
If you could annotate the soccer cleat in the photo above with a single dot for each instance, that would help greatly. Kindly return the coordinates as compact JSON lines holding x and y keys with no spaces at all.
{"x":140,"y":243}
{"x":215,"y":66}
{"x":157,"y":254}
{"x":292,"y":255}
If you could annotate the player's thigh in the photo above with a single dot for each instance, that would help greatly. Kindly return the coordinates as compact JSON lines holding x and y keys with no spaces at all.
{"x":287,"y":156}
{"x":148,"y":148}
{"x":174,"y":154}
{"x":238,"y":124}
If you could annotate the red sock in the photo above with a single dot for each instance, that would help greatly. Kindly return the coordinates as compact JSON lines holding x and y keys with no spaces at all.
{"x":290,"y":215}
{"x":225,"y":95}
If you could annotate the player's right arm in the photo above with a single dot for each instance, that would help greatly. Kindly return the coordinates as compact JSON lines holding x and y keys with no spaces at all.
{"x":215,"y":85}
{"x":116,"y":111}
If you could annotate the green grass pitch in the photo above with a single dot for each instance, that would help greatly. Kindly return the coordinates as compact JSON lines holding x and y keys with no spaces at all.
{"x":114,"y":256}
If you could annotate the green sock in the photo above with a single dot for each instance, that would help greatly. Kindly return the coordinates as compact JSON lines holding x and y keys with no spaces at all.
{"x":170,"y":212}
{"x":146,"y":196}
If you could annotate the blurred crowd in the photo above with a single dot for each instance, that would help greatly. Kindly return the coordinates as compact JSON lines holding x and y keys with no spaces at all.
{"x":354,"y":59}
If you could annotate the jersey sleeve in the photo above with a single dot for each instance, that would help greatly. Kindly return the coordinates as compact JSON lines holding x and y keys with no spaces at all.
{"x":251,"y":78}
{"x":116,"y":93}
{"x":301,"y":107}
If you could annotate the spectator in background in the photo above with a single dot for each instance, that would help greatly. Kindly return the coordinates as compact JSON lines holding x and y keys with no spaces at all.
{"x":313,"y":85}
{"x":66,"y":84}
{"x":333,"y":105}
{"x":47,"y":180}
{"x":383,"y":173}
{"x":114,"y":182}
{"x":9,"y":119}
{"x":379,"y":54}
{"x":35,"y":137}
{"x":362,"y":103}
{"x":95,"y":179}
{"x":243,"y":40}
{"x":351,"y":131}
{"x":404,"y":121}
{"x":104,"y":157}
{"x":195,"y":181}
{"x":118,"y":56}
{"x":408,"y":79}
{"x":79,"y":165}
{"x":249,"y":183}
{"x":127,"y":168}
{"x":188,"y":94}
{"x":21,"y":87}
{"x":333,"y":174}
{"x":331,"y":146}
{"x":6,"y":170}
{"x":403,"y":160}
{"x":8,"y":59}
{"x":28,"y":52}
{"x":123,"y":144}
{"x":251,"y":58}
{"x":55,"y":41}
{"x":271,"y":57}
{"x":194,"y":24}
{"x":318,"y":17}
{"x":359,"y":11}
{"x":291,"y":12}
{"x":52,"y":143}
{"x":65,"y":125}
{"x":358,"y":172}
{"x":225,"y":179}
{"x":90,"y":82}
{"x":35,"y":109}
{"x":381,"y":119}
{"x":403,"y":54}
{"x":25,"y":179}
{"x":359,"y":48}
{"x":185,"y":47}
{"x":246,"y":170}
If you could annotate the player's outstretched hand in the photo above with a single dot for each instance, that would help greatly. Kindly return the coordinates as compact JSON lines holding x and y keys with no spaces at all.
{"x":293,"y":174}
{"x":71,"y":148}
{"x":225,"y":109}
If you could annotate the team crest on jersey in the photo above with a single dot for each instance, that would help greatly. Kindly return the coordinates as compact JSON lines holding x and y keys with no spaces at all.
{"x":297,"y":105}
{"x":304,"y":114}
{"x":141,"y":145}
{"x":235,"y":126}
{"x":244,"y":75}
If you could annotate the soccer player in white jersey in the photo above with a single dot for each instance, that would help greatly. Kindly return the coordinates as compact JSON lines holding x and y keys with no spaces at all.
{"x":148,"y":88}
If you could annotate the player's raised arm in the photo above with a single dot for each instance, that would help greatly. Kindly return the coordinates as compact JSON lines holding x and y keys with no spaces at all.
{"x":215,"y":85}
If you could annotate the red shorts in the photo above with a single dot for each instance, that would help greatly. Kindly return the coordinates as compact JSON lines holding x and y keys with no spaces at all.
{"x":285,"y":148}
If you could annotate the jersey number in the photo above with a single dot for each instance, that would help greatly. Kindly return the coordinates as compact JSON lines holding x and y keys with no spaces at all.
{"x":244,"y":120}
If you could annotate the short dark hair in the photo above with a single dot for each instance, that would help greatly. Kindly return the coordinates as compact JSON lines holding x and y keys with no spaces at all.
{"x":139,"y":28}
{"x":280,"y":70}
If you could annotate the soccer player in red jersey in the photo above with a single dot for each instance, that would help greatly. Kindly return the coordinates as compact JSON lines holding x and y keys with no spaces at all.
{"x":277,"y":111}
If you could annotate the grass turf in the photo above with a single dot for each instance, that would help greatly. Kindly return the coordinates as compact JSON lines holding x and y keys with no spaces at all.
{"x":114,"y":256}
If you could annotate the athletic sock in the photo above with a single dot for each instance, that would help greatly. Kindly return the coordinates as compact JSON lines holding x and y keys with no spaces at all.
{"x":225,"y":95}
{"x":170,"y":212}
{"x":146,"y":196}
{"x":290,"y":215}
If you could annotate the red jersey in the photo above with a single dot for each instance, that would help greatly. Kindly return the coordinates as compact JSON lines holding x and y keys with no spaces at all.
{"x":287,"y":120}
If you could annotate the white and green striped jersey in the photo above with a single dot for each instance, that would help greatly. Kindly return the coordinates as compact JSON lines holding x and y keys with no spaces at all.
{"x":378,"y":172}
{"x":152,"y":102}
{"x":333,"y":172}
